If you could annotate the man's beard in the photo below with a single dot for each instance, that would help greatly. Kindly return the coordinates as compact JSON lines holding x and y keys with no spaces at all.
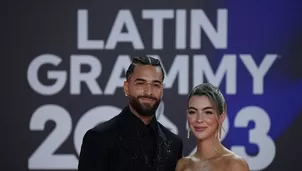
{"x":144,"y":109}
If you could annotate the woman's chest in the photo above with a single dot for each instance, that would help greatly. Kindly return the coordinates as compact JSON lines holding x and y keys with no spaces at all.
{"x":208,"y":166}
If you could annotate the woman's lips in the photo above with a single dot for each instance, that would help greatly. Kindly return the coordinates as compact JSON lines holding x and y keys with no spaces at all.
{"x":199,"y":128}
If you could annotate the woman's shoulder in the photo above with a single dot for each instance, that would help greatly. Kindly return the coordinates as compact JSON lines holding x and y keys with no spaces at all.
{"x":236,"y":162}
{"x":183,"y":162}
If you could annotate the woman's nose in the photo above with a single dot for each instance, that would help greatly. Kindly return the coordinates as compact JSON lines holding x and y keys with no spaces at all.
{"x":199,"y":117}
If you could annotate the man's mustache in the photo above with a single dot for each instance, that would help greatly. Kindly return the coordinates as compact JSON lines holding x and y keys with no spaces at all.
{"x":150,"y":97}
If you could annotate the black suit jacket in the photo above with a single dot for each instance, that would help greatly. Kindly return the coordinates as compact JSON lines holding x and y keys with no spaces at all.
{"x":113,"y":146}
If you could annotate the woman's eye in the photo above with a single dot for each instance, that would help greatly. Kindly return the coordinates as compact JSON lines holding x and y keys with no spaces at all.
{"x":209,"y":112}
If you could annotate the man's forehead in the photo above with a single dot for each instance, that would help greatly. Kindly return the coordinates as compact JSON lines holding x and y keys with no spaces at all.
{"x":147,"y":71}
{"x":145,"y":67}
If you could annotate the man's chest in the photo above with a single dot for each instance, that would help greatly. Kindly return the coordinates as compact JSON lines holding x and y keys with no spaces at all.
{"x":131,"y":154}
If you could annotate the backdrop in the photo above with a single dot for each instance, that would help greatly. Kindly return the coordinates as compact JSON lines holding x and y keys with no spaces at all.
{"x":64,"y":66}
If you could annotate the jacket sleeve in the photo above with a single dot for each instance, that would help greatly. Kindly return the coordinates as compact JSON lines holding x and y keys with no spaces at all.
{"x":94,"y":155}
{"x":180,"y":153}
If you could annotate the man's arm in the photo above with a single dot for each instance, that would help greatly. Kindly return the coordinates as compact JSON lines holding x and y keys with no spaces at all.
{"x":180,"y":155}
{"x":94,"y":152}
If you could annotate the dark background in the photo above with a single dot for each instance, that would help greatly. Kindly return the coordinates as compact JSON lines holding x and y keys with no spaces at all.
{"x":32,"y":28}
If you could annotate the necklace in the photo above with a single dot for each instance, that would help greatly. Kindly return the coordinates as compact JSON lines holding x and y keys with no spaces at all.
{"x":196,"y":158}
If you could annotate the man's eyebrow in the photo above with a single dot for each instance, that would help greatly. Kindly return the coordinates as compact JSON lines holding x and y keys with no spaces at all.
{"x":157,"y":81}
{"x":143,"y":80}
{"x":140,"y":79}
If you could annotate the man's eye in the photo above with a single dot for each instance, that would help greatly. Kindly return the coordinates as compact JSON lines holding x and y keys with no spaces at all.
{"x":156,"y":85}
{"x":191,"y":112}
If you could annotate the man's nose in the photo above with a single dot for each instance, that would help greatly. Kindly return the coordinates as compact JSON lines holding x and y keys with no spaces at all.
{"x":148,"y":89}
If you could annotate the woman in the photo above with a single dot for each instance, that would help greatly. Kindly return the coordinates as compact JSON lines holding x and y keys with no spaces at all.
{"x":205,"y":113}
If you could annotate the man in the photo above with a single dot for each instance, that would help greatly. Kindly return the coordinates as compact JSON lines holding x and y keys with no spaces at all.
{"x":134,"y":140}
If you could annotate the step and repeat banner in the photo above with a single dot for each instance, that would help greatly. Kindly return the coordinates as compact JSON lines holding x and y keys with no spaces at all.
{"x":72,"y":59}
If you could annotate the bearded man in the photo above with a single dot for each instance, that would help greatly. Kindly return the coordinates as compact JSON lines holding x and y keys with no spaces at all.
{"x":134,"y":139}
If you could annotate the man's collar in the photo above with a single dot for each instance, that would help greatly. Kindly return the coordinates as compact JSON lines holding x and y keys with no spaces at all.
{"x":135,"y":121}
{"x":153,"y":124}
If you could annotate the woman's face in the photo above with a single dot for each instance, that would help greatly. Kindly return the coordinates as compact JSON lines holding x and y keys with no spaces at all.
{"x":202,"y":117}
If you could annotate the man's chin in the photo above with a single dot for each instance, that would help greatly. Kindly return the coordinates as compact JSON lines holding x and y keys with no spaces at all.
{"x":144,"y":108}
{"x":147,"y":106}
{"x":147,"y":111}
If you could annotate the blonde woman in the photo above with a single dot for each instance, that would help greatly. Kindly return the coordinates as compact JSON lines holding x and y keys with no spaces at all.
{"x":206,"y":112}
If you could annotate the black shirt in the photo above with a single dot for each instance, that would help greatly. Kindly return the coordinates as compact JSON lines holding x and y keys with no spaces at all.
{"x":145,"y":134}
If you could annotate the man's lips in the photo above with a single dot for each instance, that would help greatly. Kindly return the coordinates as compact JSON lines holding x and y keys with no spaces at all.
{"x":146,"y":99}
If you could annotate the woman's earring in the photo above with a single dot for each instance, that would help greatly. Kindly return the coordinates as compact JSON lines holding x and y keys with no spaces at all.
{"x":188,"y":133}
{"x":219,"y":133}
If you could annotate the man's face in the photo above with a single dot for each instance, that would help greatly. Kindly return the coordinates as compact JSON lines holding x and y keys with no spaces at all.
{"x":144,"y":89}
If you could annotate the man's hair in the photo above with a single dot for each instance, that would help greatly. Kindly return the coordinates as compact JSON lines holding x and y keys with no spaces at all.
{"x":144,"y":60}
{"x":213,"y":93}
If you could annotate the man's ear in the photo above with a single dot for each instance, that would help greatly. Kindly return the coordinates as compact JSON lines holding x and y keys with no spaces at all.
{"x":126,"y":88}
